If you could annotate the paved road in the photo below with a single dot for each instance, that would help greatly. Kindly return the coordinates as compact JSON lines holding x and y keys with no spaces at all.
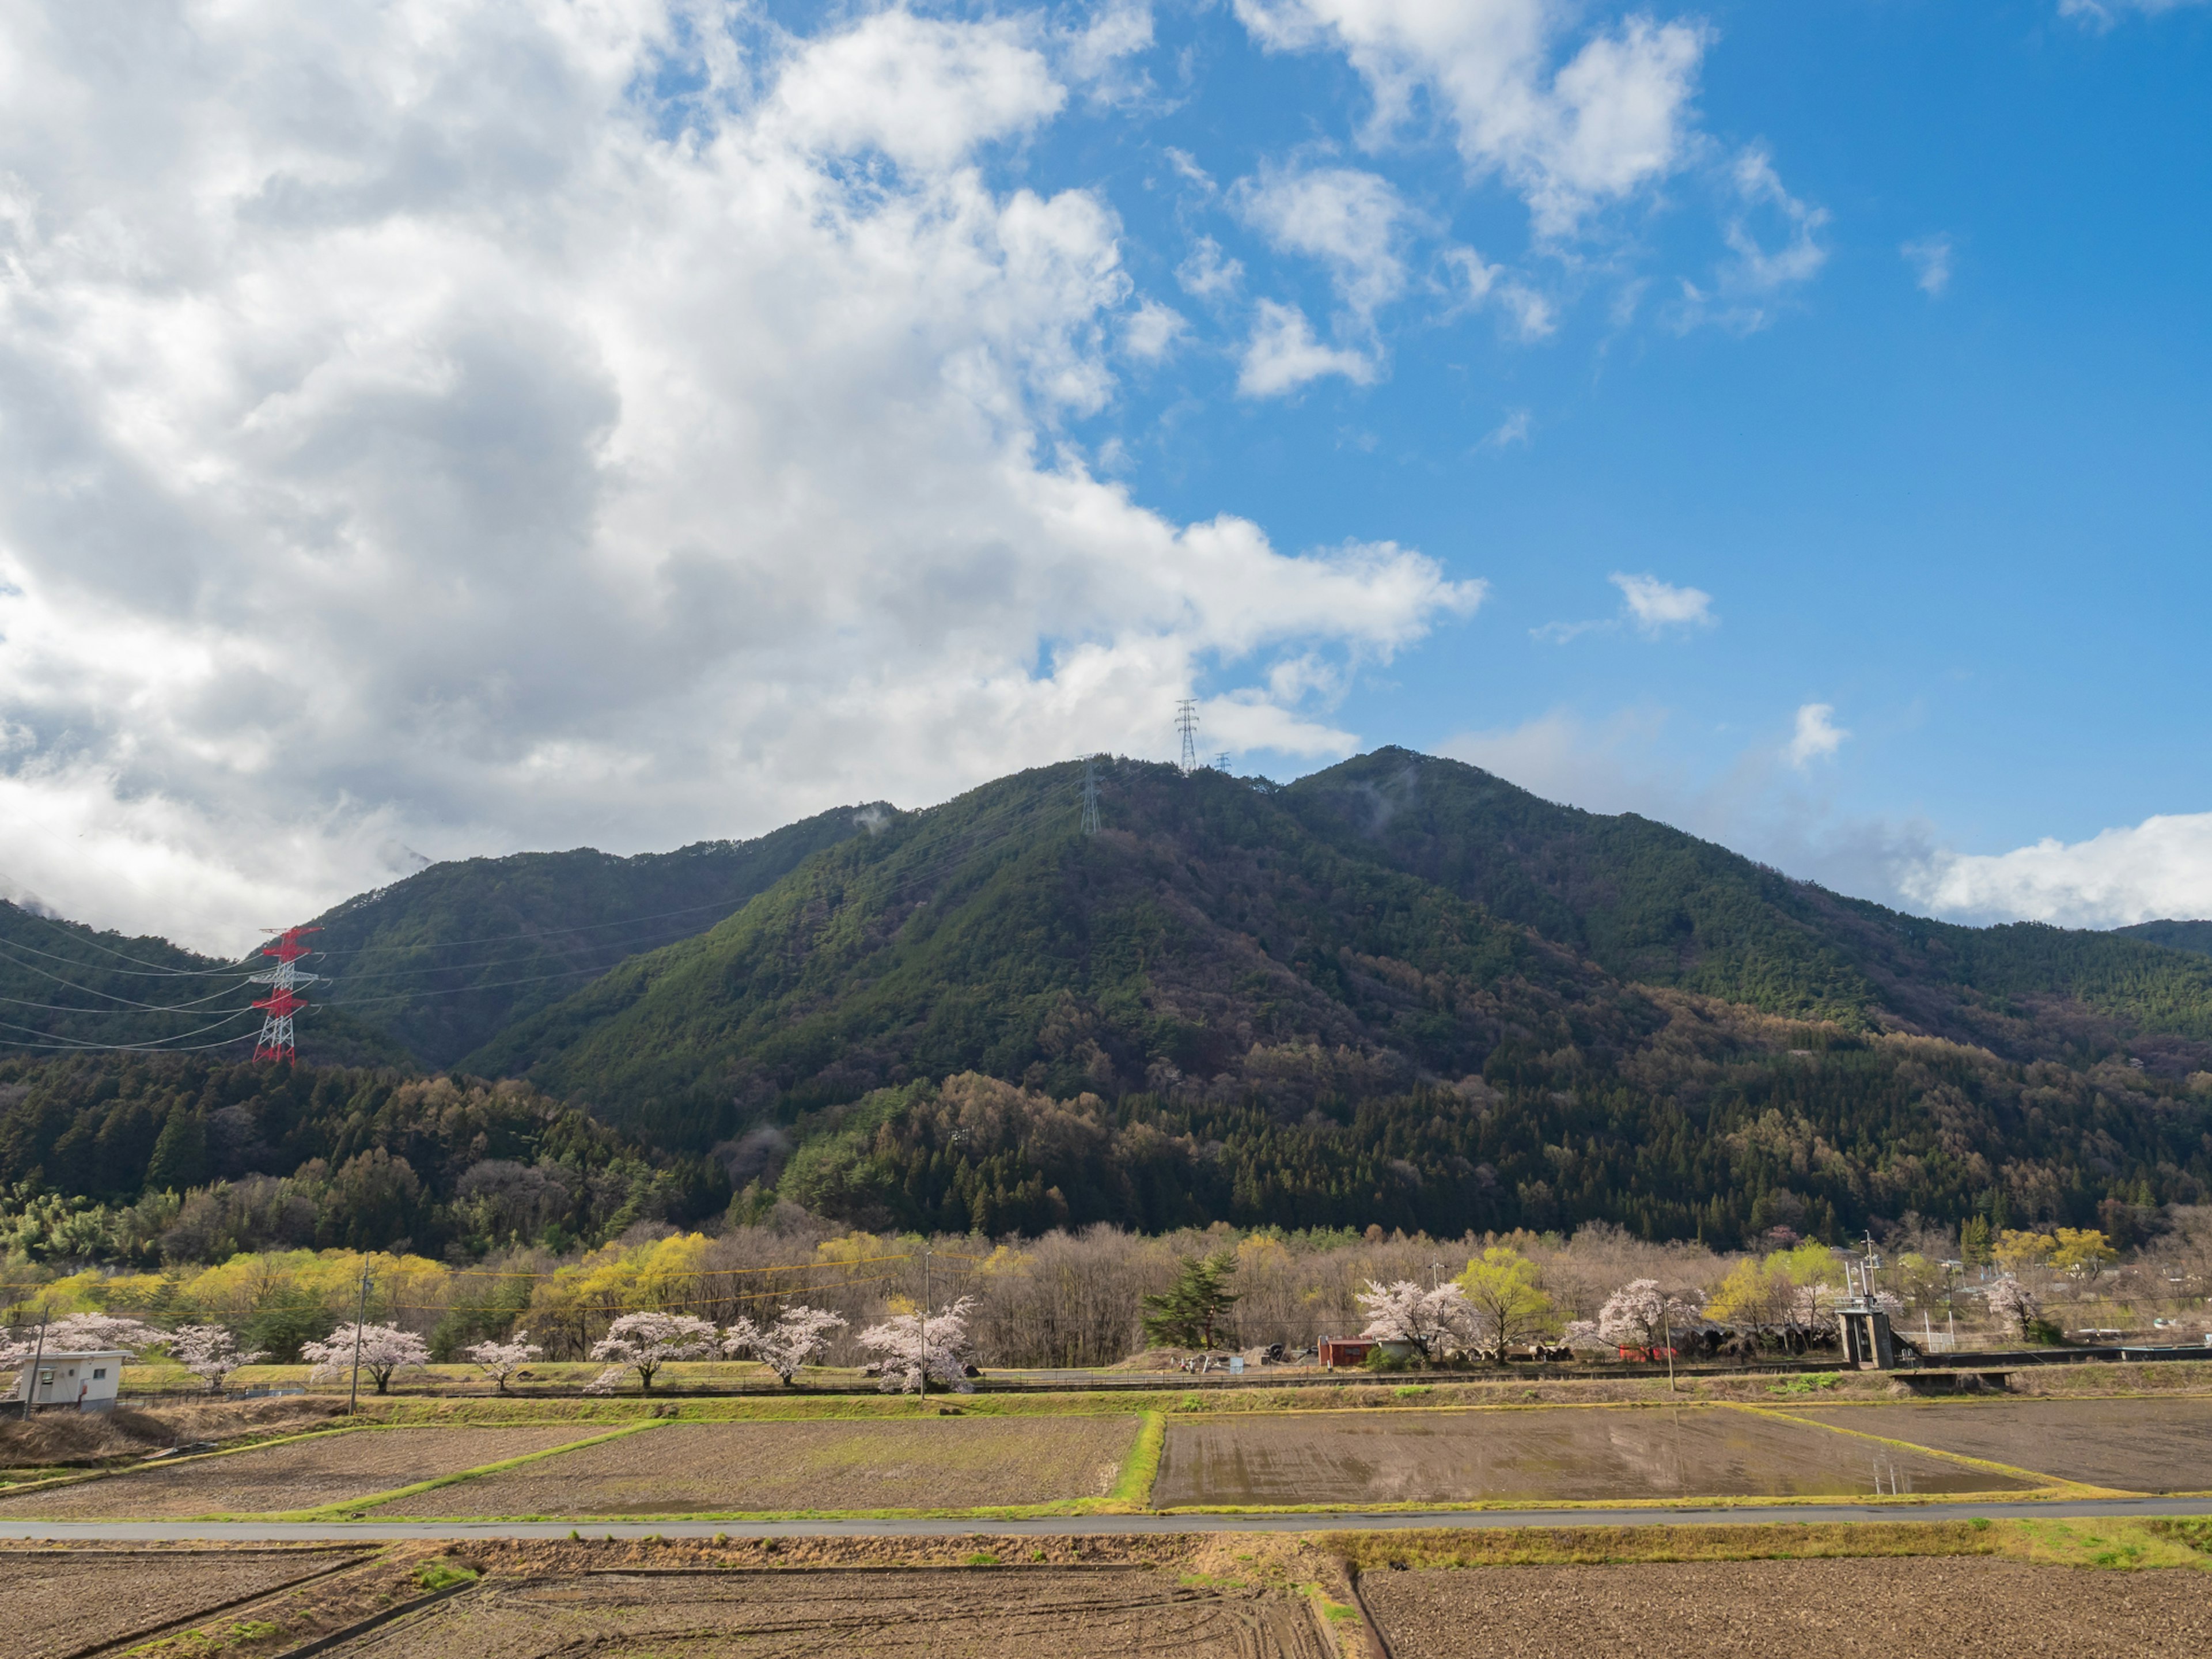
{"x":172,"y":1531}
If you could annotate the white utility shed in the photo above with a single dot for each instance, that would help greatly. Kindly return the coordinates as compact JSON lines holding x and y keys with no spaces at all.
{"x":87,"y":1379}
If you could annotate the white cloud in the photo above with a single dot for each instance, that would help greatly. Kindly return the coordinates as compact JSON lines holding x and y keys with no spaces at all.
{"x":1748,"y":288}
{"x":1284,"y":354}
{"x":1816,"y":735}
{"x":1152,"y":329}
{"x":1097,"y":56}
{"x":1602,"y":766}
{"x":2105,"y":13}
{"x":1530,"y":312}
{"x":1346,"y":218}
{"x":1931,"y":260}
{"x":923,"y":91}
{"x":424,"y":433}
{"x":1513,"y":430}
{"x":2160,"y":867}
{"x":1206,"y":274}
{"x":1615,"y":116}
{"x":1656,"y":606}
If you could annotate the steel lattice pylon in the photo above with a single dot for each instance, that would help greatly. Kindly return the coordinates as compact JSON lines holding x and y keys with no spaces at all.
{"x":1187,"y":723}
{"x":283,"y":979}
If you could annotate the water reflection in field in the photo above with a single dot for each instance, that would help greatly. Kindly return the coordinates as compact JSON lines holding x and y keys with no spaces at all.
{"x":1535,"y":1456}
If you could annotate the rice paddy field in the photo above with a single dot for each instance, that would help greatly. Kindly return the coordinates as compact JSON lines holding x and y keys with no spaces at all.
{"x":287,"y":1474}
{"x":2134,"y":1445}
{"x":1542,"y":1455}
{"x":955,"y":1463}
{"x":925,"y":1463}
{"x":1839,"y":1609}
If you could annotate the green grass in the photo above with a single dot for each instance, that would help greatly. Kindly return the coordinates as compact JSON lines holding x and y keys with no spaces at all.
{"x":1133,"y":1487}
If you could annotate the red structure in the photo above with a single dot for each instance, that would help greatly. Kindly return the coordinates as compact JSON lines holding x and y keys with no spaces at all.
{"x":1344,"y":1350}
{"x":283,"y":979}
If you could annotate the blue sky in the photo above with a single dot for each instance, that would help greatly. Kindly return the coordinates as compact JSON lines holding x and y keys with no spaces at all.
{"x":1971,"y":513}
{"x":437,"y":429}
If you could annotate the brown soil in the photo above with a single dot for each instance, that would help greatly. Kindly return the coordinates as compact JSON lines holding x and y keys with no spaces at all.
{"x":1840,"y":1609}
{"x":62,"y":1601}
{"x":979,"y":1612}
{"x":2137,"y":1445}
{"x":1535,"y":1457}
{"x":935,"y":1463}
{"x":294,"y":1475}
{"x":82,"y":1439}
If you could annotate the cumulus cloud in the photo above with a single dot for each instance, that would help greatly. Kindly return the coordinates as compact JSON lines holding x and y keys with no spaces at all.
{"x":2158,"y":868}
{"x":1346,"y":218}
{"x":1570,"y":136}
{"x":1656,"y":607}
{"x":425,"y":431}
{"x":1931,"y":260}
{"x":1283,"y":354}
{"x":1815,"y":737}
{"x":1208,"y":273}
{"x":1651,"y":607}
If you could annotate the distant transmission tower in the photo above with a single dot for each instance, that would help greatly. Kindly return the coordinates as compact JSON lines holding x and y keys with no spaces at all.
{"x":280,"y":1005}
{"x":1091,"y":794}
{"x":1221,"y":761}
{"x":1187,"y":723}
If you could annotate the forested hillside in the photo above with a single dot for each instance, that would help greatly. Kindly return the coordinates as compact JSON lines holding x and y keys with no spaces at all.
{"x":1400,"y":991}
{"x":64,"y":986}
{"x":2175,"y":935}
{"x":148,"y":1158}
{"x":445,"y":958}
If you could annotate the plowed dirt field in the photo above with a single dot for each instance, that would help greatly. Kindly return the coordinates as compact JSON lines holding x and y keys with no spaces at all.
{"x":1537,"y":1455}
{"x":1069,"y":1613}
{"x":1838,"y":1610}
{"x":691,"y":1469}
{"x":2137,"y":1445}
{"x":291,"y":1474}
{"x":68,"y":1600}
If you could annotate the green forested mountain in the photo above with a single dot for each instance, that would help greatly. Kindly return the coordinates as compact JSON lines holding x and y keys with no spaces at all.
{"x":64,"y":986}
{"x":445,"y":958}
{"x":1398,"y":991}
{"x":1654,"y":906}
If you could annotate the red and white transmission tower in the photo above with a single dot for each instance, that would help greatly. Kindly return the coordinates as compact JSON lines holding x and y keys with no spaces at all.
{"x":280,"y":1005}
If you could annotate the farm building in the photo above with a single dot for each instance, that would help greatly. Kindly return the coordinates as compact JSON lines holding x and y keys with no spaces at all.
{"x":85,"y":1378}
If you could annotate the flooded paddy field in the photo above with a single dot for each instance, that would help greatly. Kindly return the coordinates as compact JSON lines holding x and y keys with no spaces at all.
{"x":289,"y":1474}
{"x":1085,"y":1613}
{"x":1540,"y":1455}
{"x":65,"y":1602}
{"x":1839,"y":1609}
{"x":932,"y":1462}
{"x":2154,"y":1445}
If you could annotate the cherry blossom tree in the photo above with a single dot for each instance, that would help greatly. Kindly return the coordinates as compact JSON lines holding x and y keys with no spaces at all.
{"x":500,"y":1360}
{"x":916,"y":1350}
{"x":1811,"y":1312}
{"x":1639,"y":1315}
{"x":1429,"y":1319}
{"x":385,"y":1349}
{"x":798,"y":1336}
{"x":211,"y":1354}
{"x":2014,"y":1306}
{"x":83,"y":1332}
{"x":644,"y":1342}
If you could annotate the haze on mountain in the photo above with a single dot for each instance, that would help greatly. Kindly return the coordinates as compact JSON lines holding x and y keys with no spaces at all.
{"x":1401,"y":991}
